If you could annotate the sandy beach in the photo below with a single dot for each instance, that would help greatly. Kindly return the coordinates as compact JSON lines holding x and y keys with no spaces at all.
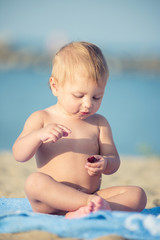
{"x":141,"y":171}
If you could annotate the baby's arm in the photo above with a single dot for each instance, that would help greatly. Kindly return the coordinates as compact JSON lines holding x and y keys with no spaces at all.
{"x":108,"y":160}
{"x":33,"y":135}
{"x":107,"y":147}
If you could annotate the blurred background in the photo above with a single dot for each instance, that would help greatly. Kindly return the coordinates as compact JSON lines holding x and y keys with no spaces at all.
{"x":127,"y":32}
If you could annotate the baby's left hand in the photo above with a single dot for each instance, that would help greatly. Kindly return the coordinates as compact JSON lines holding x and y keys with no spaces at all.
{"x":98,"y":167}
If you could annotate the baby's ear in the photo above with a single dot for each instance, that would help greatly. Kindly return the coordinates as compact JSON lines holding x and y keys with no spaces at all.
{"x":53,"y":85}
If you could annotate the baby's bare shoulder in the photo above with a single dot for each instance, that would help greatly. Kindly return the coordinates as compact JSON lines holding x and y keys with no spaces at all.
{"x":99,"y":119}
{"x":37,"y":116}
{"x":41,"y":114}
{"x":37,"y":119}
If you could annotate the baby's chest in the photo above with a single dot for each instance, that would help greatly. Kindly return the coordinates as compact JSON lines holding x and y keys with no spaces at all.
{"x":79,"y":141}
{"x":84,"y":136}
{"x":83,"y":143}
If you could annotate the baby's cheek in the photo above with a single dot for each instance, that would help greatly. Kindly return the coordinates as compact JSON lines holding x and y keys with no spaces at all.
{"x":71,"y":108}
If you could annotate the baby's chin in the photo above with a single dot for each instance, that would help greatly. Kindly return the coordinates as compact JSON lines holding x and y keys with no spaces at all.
{"x":79,"y":115}
{"x":84,"y":115}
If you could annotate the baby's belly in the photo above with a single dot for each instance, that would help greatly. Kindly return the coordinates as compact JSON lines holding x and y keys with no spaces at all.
{"x":72,"y":173}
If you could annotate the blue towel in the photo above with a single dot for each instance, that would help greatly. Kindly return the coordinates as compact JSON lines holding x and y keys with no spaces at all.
{"x":16,"y":216}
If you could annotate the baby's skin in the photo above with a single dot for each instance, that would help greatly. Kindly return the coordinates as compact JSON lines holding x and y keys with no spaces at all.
{"x":73,"y":147}
{"x":54,"y":160}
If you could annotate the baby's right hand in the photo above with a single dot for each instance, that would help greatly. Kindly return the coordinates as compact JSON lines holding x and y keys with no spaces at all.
{"x":53,"y":132}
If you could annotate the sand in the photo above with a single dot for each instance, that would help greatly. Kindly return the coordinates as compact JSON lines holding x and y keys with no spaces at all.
{"x":141,"y":171}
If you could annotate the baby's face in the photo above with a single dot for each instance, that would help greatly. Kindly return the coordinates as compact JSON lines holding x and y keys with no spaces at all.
{"x":81,"y":97}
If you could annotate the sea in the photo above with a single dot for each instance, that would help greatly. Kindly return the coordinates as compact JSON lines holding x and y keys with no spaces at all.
{"x":131,"y":104}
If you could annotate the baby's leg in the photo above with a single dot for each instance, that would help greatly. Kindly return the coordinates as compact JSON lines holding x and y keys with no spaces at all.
{"x":49,"y":196}
{"x":124,"y":198}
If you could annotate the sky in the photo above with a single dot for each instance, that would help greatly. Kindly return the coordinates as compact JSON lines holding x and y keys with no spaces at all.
{"x":120,"y":24}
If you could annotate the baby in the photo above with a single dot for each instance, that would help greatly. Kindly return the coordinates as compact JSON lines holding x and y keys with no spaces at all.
{"x":73,"y":145}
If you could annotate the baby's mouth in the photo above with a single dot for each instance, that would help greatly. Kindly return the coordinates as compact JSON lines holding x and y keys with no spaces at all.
{"x":84,"y":113}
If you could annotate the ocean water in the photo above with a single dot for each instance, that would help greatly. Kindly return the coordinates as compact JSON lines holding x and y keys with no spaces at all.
{"x":131,"y":104}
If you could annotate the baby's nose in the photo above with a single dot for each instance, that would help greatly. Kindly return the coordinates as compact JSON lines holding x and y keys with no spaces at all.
{"x":87,"y":103}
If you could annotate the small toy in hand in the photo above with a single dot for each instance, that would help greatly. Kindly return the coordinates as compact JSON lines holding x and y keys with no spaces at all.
{"x":92,"y":159}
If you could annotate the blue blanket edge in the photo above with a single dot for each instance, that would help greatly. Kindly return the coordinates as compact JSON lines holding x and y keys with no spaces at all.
{"x":101,"y":223}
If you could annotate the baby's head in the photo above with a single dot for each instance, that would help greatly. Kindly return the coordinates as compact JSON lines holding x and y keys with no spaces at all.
{"x":79,"y":57}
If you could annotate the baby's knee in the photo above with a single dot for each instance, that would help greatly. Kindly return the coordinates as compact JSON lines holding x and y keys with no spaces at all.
{"x":33,"y":185}
{"x":35,"y":190}
{"x":141,"y":198}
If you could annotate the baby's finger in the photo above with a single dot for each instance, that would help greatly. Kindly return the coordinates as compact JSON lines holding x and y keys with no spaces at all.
{"x":55,"y":134}
{"x":64,"y":128}
{"x":92,"y":169}
{"x":93,"y":165}
{"x":93,"y":173}
{"x":50,"y":137}
{"x":62,"y":132}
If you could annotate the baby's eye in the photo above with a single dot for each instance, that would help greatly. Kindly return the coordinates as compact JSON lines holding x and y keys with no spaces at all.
{"x":77,"y":95}
{"x":97,"y":98}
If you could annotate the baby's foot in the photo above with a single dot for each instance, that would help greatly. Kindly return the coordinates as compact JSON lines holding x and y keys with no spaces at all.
{"x":81,"y":212}
{"x":100,"y":204}
{"x":97,"y":203}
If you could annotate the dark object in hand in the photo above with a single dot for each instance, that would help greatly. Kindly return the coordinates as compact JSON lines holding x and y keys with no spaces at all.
{"x":92,"y":159}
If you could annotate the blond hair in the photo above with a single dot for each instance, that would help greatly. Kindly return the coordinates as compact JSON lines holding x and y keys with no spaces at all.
{"x":79,"y":56}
